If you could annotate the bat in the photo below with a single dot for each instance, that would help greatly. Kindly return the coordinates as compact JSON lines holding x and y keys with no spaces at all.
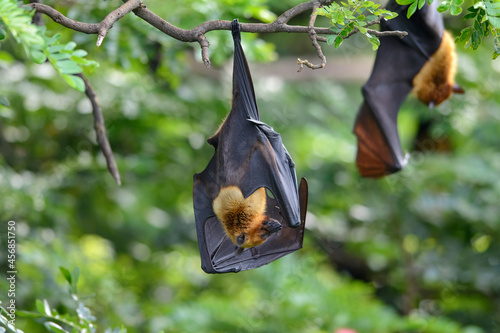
{"x":247,"y":207}
{"x":423,"y":61}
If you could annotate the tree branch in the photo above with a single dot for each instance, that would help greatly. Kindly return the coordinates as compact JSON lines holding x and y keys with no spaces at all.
{"x":100,"y":130}
{"x":101,"y":29}
{"x":313,"y":36}
{"x":197,"y":34}
{"x":114,"y":16}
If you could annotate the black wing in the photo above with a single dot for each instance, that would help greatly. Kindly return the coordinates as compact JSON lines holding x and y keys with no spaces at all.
{"x":396,"y":64}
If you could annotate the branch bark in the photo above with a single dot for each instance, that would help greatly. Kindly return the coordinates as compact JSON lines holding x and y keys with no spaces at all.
{"x":100,"y":129}
{"x":314,"y":39}
{"x":101,"y":29}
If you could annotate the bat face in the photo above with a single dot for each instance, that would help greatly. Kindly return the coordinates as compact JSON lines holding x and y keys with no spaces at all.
{"x":239,"y":226}
{"x":423,"y":61}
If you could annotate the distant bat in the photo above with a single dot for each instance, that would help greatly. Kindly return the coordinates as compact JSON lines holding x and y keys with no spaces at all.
{"x":423,"y":61}
{"x":248,"y":209}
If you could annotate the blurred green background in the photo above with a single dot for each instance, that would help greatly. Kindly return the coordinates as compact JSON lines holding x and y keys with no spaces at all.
{"x":414,"y":252}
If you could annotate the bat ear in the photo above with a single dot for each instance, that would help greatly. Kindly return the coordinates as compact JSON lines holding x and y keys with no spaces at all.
{"x":240,"y":240}
{"x":457,"y":89}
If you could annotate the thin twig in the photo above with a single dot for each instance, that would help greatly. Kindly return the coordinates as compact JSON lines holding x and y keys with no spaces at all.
{"x":100,"y":130}
{"x":313,"y":36}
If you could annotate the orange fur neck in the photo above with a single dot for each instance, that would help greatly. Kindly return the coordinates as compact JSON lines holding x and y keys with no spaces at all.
{"x":434,"y":83}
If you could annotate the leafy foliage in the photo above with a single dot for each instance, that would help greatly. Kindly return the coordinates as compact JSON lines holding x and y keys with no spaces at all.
{"x":413,"y":4}
{"x":484,"y":13}
{"x":66,"y":60}
{"x":349,"y":17}
{"x":81,"y":320}
{"x":486,"y":17}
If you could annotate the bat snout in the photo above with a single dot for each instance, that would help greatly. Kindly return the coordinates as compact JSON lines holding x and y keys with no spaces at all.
{"x":271,"y":226}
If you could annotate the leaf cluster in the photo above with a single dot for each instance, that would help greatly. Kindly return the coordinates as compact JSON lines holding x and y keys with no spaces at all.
{"x":414,"y":4}
{"x":68,"y":61}
{"x":484,"y":13}
{"x":486,"y":16}
{"x":81,"y":321}
{"x":352,"y":16}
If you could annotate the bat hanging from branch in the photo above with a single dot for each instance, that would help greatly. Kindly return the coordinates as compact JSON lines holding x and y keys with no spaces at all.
{"x":425,"y":62}
{"x":247,"y":207}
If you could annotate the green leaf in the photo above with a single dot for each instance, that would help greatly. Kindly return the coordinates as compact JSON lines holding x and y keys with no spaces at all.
{"x":444,"y":6}
{"x":330,"y":39}
{"x":68,"y":67}
{"x":70,"y":46}
{"x":38,"y":56}
{"x":412,"y":9}
{"x":2,"y":34}
{"x":74,"y":82}
{"x":421,"y":3}
{"x":60,"y":56}
{"x":55,"y":48}
{"x":495,"y":21}
{"x":465,"y":34}
{"x":405,"y":2}
{"x":53,"y":327}
{"x":338,"y":41}
{"x":79,"y":53}
{"x":454,"y":10}
{"x":373,"y":40}
{"x":469,"y":16}
{"x":43,"y":307}
{"x":29,"y":314}
{"x":54,"y":39}
{"x":65,"y":273}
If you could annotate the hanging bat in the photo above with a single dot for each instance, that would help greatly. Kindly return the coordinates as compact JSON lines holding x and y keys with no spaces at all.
{"x":423,"y":61}
{"x":247,"y":207}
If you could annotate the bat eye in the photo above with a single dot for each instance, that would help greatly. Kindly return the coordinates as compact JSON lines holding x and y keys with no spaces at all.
{"x":240,"y":240}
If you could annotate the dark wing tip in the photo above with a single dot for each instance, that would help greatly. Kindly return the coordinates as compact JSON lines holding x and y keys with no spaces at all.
{"x":373,"y":165}
{"x":303,"y":198}
{"x":235,"y":30}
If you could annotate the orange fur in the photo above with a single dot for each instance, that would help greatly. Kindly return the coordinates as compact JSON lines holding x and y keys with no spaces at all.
{"x":241,"y":216}
{"x":434,"y":83}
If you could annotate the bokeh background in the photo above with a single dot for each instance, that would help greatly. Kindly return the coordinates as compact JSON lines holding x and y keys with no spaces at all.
{"x":414,"y":252}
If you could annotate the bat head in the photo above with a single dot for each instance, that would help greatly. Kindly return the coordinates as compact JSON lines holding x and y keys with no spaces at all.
{"x":244,"y":219}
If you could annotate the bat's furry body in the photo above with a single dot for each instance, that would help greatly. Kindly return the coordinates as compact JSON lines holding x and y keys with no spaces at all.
{"x":425,"y":62}
{"x":436,"y":80}
{"x":243,"y":218}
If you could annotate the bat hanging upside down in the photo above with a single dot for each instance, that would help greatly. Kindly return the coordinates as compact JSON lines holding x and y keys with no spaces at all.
{"x":240,"y":226}
{"x":423,"y":61}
